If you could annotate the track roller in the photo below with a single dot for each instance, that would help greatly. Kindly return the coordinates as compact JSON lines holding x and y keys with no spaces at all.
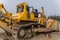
{"x":24,"y":33}
{"x":21,"y":34}
{"x":29,"y":34}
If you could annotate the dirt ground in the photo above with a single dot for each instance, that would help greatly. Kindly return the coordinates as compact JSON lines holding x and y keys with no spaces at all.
{"x":54,"y":36}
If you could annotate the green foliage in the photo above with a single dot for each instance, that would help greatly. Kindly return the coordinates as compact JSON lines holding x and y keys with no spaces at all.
{"x":55,"y":17}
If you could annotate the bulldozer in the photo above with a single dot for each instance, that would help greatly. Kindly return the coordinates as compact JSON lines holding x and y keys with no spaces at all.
{"x":26,"y":22}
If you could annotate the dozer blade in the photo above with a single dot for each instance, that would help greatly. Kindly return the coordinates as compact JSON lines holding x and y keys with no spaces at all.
{"x":5,"y":27}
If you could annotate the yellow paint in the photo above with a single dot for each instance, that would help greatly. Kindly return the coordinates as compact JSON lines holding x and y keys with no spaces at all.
{"x":1,"y":6}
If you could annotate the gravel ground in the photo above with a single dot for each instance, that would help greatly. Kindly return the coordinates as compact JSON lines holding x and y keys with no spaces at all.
{"x":54,"y":36}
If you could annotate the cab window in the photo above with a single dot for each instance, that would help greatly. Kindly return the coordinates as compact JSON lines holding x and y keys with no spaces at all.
{"x":20,"y":9}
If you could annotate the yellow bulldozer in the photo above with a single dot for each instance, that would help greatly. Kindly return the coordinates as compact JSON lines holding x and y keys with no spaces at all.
{"x":26,"y":22}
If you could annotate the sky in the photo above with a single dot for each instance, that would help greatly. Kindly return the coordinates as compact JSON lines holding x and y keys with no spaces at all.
{"x":51,"y":7}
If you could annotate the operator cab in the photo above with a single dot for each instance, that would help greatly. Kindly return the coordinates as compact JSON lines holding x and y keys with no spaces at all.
{"x":31,"y":9}
{"x":21,"y":7}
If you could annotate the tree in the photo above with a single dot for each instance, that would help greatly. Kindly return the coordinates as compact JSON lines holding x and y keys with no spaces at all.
{"x":55,"y":17}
